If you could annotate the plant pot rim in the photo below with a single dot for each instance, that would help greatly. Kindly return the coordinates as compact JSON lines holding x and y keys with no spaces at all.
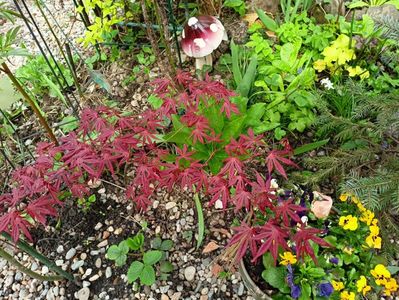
{"x":251,"y":286}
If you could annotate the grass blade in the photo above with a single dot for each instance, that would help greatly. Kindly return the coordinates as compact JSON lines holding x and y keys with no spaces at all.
{"x":201,"y":223}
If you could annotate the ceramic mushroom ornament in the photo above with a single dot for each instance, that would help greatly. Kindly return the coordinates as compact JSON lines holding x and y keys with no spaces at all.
{"x":200,"y":37}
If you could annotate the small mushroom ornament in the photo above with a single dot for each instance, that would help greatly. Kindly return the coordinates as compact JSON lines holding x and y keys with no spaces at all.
{"x":200,"y":37}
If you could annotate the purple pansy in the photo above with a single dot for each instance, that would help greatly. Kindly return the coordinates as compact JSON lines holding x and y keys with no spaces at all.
{"x":334,"y":260}
{"x":325,"y":289}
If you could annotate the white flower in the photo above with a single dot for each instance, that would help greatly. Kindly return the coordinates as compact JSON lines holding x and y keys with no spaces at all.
{"x":327,"y":84}
{"x":304,"y":219}
{"x":274,"y":184}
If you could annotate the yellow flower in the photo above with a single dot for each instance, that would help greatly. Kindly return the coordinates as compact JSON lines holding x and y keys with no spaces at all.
{"x":344,"y":197}
{"x":348,"y":250}
{"x":348,"y":222}
{"x":288,"y":259}
{"x":337,"y":285}
{"x":391,"y":286}
{"x":319,"y":65}
{"x":364,"y":75}
{"x":374,"y":222}
{"x":374,"y":241}
{"x":362,"y":286}
{"x":381,"y":274}
{"x":355,"y":200}
{"x":367,"y":217}
{"x":345,"y":295}
{"x":374,"y":230}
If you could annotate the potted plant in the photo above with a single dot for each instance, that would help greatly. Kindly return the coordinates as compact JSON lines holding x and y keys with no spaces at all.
{"x":304,"y":248}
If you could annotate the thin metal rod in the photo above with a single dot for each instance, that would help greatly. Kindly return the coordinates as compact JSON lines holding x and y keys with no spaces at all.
{"x":29,"y":100}
{"x":6,"y":157}
{"x":174,"y":27}
{"x":27,"y":23}
{"x":17,"y":134}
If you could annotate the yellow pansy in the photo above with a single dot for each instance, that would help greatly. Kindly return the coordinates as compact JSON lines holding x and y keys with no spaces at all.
{"x":374,"y":229}
{"x":380,"y":274}
{"x":319,"y":65}
{"x":348,"y":222}
{"x":364,"y":75}
{"x":374,"y":222}
{"x":391,"y":286}
{"x":337,"y":285}
{"x":343,"y":197}
{"x":287,"y":258}
{"x":367,"y":217}
{"x":345,"y":295}
{"x":348,"y":250}
{"x":374,"y":241}
{"x":362,"y":286}
{"x":355,"y":200}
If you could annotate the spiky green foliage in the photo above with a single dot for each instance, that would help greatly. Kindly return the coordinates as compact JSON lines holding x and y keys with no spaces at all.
{"x":365,"y":130}
{"x":389,"y":26}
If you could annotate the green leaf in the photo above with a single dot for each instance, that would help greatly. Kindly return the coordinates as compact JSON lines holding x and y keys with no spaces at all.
{"x":357,"y":4}
{"x":7,"y":93}
{"x":279,"y":133}
{"x":155,"y":101}
{"x":215,"y":118}
{"x":235,"y":63}
{"x":54,"y":89}
{"x":268,"y":260}
{"x":241,"y":103}
{"x":166,"y":267}
{"x":136,"y":242}
{"x":99,"y":79}
{"x":147,"y":275}
{"x":118,"y":253}
{"x":266,"y":20}
{"x":70,"y":123}
{"x":233,"y":3}
{"x":306,"y":291}
{"x":316,"y":272}
{"x":310,"y":147}
{"x":134,"y":271}
{"x":247,"y":81}
{"x":152,"y":257}
{"x":201,"y":222}
{"x":276,"y":278}
{"x":156,"y":243}
{"x":288,"y":53}
{"x":254,"y":114}
{"x":265,"y":126}
{"x":167,"y":245}
{"x":232,"y":129}
{"x":393,"y":269}
{"x":180,"y":134}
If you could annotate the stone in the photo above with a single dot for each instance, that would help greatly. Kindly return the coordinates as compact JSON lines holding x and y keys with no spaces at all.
{"x":102,"y":244}
{"x":83,"y":294}
{"x":71,"y":253}
{"x":176,"y":296}
{"x":94,"y":277}
{"x":98,"y":263}
{"x":9,"y":281}
{"x":98,"y":226}
{"x":45,"y":270}
{"x":76,"y":265}
{"x":170,"y":205}
{"x":240,"y":289}
{"x":189,"y":273}
{"x":59,"y":262}
{"x":108,"y":272}
{"x":164,"y":297}
{"x":270,"y":6}
{"x":60,"y":249}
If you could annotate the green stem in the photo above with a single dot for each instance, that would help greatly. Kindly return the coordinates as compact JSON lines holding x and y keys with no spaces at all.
{"x":31,"y":103}
{"x":40,"y":257}
{"x":8,"y":257}
{"x":200,"y":214}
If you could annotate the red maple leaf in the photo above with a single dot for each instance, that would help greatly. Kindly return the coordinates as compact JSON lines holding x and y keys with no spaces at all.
{"x":241,"y":199}
{"x":14,"y":224}
{"x":272,"y":237}
{"x":262,"y":192}
{"x":274,"y":160}
{"x":242,"y":240}
{"x":288,"y":211}
{"x":302,"y":238}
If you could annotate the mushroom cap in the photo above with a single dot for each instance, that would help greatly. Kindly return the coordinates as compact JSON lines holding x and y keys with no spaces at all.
{"x":201,"y":35}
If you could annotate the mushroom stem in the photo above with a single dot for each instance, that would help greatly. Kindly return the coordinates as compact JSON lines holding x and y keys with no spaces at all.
{"x":202,"y":61}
